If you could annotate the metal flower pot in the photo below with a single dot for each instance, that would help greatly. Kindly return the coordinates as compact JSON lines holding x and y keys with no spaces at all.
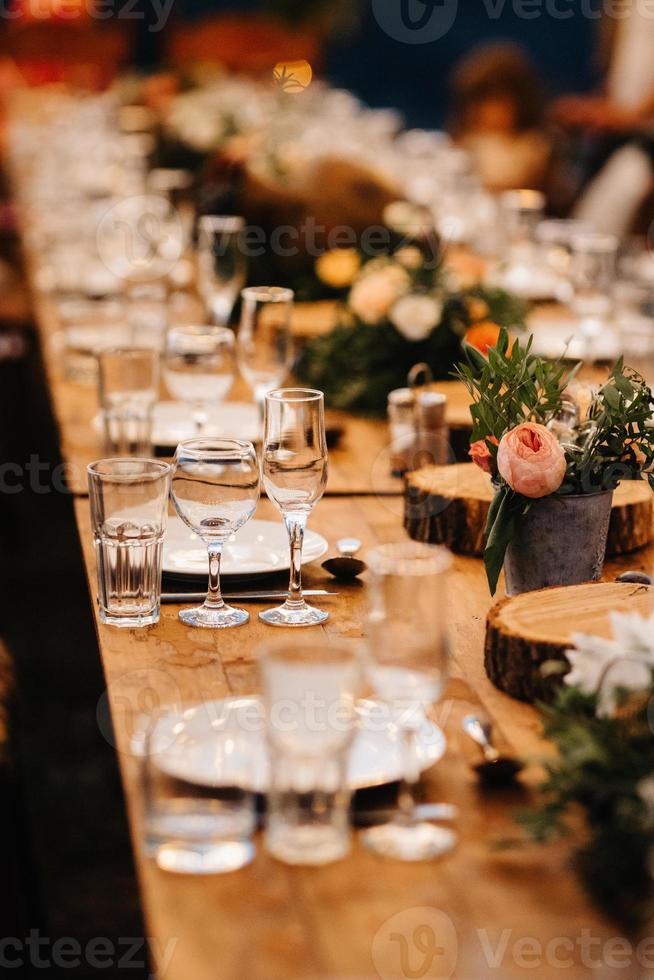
{"x":561,"y":540}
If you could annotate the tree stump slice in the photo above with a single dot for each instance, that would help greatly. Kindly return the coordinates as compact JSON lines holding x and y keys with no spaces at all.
{"x":449,"y":505}
{"x":526,"y":631}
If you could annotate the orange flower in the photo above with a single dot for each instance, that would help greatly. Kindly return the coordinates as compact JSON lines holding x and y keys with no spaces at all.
{"x":483,"y":336}
{"x":481,"y":455}
{"x":531,"y":460}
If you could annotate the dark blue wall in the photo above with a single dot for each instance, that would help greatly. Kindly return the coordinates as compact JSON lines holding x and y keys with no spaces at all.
{"x":413,"y":77}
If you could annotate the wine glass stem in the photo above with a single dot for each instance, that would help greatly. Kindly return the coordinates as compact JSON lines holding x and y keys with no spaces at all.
{"x":295,"y":526}
{"x":200,"y":418}
{"x":214,"y":598}
{"x":406,"y":800}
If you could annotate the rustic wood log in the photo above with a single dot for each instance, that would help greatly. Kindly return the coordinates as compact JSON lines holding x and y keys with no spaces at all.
{"x":449,"y":505}
{"x":528,"y":630}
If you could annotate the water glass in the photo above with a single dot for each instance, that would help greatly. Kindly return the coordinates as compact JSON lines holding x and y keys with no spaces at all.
{"x":199,"y":367}
{"x":128,"y":499}
{"x":264,"y":346}
{"x":634,"y":316}
{"x":406,"y":665}
{"x":309,"y":692}
{"x":222,"y":264}
{"x":190,"y":827}
{"x":294,"y":469}
{"x":128,"y":387}
{"x":521,"y":211}
{"x":215,"y":489}
{"x":593,"y":269}
{"x":146,"y":306}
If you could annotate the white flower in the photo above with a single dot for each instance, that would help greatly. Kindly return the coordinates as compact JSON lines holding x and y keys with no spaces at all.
{"x":416,"y":315}
{"x":605,"y":666}
{"x":373,"y":293}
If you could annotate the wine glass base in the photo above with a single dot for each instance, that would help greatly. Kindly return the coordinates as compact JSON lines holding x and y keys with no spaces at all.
{"x":288,"y":615}
{"x":413,"y":842}
{"x":214,"y":619}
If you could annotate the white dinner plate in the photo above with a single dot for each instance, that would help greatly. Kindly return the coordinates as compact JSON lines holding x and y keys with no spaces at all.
{"x":173,"y":421}
{"x":553,"y":338}
{"x":258,"y":548}
{"x":189,"y":745}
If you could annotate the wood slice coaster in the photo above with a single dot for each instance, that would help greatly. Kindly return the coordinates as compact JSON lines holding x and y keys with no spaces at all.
{"x":449,"y":505}
{"x":524,"y":632}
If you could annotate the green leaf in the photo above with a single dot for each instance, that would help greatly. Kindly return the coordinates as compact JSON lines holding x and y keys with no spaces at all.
{"x":505,"y":508}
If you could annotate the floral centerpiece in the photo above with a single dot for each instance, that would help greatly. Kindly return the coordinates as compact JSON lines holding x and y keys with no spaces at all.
{"x":601,"y":722}
{"x":555,"y":451}
{"x":398,"y":310}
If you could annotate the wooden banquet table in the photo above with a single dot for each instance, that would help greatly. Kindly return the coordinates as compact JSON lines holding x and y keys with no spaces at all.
{"x":484,"y":911}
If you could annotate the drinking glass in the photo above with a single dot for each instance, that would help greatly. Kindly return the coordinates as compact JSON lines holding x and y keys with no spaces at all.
{"x":593,"y":268}
{"x":215,"y":489}
{"x":294,"y":469}
{"x":190,"y":827}
{"x":146,"y":307}
{"x":199,"y":367}
{"x":128,"y":387}
{"x":634,"y":316}
{"x":128,"y":500}
{"x":222,"y":263}
{"x":264,"y":346}
{"x":406,"y":665}
{"x":309,"y":692}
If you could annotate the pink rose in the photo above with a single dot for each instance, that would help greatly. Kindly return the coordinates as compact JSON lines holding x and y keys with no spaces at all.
{"x":531,"y":460}
{"x":481,"y":455}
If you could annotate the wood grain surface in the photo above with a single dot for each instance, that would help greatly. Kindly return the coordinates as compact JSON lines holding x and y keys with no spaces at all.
{"x":449,"y":505}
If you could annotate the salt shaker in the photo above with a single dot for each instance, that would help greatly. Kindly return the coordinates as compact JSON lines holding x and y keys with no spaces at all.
{"x":401,"y":421}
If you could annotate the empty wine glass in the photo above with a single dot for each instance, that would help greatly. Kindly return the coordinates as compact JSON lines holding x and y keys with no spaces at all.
{"x":294,"y":470}
{"x":593,"y":269}
{"x":215,"y":489}
{"x":407,"y":666}
{"x":199,"y":367}
{"x":264,"y":345}
{"x":222,"y":263}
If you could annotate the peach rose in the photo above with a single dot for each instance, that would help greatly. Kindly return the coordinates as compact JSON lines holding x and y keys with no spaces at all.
{"x":481,"y":455}
{"x":531,"y":460}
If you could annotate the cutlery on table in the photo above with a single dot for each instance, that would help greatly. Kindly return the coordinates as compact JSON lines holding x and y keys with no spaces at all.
{"x":345,"y":565}
{"x":496,"y":769}
{"x":240,"y":596}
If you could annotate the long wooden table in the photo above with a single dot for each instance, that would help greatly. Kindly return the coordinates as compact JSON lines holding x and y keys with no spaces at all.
{"x":359,"y":462}
{"x":477,"y":913}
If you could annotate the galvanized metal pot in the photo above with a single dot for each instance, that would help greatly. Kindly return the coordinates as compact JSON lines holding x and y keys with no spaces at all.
{"x":561,"y":540}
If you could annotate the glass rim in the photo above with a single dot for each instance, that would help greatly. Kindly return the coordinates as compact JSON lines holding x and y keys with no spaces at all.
{"x":409,"y":558}
{"x":127,"y":351}
{"x":151,"y":469}
{"x":268,"y":294}
{"x":199,"y":330}
{"x":221,"y":222}
{"x":216,"y":446}
{"x":596,"y":241}
{"x":281,"y":395}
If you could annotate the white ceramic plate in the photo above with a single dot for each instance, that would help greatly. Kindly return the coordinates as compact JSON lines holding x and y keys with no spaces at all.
{"x":258,"y":548}
{"x":190,"y":745}
{"x":173,"y":421}
{"x":551,"y":337}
